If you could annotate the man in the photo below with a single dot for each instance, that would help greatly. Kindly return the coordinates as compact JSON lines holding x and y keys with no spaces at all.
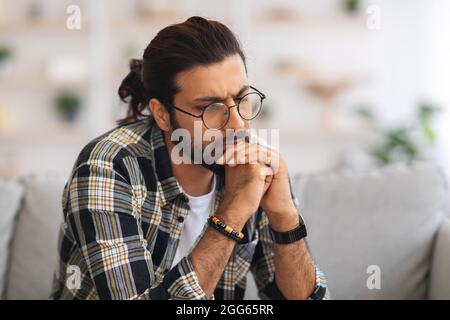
{"x":139,"y":225}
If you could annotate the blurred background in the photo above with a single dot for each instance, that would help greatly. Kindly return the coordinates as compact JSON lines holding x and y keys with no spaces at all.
{"x":354,"y":86}
{"x":349,"y":83}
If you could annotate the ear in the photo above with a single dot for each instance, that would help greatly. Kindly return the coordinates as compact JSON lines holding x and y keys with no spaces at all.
{"x":160,"y":114}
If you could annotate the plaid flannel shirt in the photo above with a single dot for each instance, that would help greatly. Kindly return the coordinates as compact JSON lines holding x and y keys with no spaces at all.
{"x":123,"y":217}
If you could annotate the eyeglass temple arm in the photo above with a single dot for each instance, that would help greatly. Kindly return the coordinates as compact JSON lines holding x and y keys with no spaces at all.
{"x":262,"y":94}
{"x":191,"y":114}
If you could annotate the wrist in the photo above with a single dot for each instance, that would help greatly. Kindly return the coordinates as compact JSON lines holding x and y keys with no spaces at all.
{"x":231,"y":217}
{"x":284,"y":221}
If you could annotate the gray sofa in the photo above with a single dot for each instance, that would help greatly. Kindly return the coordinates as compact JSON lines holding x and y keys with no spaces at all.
{"x":384,"y":223}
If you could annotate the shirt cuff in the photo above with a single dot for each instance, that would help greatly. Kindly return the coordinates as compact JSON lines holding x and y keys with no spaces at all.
{"x":321,"y":290}
{"x":181,"y":283}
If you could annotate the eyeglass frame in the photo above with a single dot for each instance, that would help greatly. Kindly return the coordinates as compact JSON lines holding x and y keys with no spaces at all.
{"x":262,"y":96}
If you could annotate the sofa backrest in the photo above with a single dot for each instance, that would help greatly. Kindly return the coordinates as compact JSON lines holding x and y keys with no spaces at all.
{"x":385,"y":217}
{"x":381,"y":221}
{"x":11,"y":193}
{"x":34,"y":246}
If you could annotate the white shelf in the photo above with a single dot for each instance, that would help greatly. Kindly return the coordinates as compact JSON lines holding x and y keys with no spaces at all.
{"x":21,"y":82}
{"x":316,"y":23}
{"x":104,"y":36}
{"x":61,"y":133}
{"x":153,"y":20}
{"x":47,"y":27}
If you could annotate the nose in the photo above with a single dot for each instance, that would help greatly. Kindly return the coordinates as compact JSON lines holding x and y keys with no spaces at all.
{"x":235,"y":121}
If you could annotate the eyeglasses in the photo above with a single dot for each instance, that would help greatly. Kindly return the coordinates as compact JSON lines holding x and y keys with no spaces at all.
{"x":217,"y":114}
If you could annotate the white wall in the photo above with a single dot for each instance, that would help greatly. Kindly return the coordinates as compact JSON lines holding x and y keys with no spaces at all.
{"x":401,"y":64}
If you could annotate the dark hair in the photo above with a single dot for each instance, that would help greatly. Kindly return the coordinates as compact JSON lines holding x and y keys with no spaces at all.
{"x":176,"y":48}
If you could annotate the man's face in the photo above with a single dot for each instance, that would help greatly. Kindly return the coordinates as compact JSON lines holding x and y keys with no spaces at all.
{"x":201,"y":86}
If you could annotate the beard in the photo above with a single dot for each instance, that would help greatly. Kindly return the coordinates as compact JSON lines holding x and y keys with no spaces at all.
{"x":218,"y":169}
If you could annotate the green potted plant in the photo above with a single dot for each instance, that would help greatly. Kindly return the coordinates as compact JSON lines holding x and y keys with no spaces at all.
{"x":5,"y":54}
{"x":5,"y":59}
{"x":405,"y":143}
{"x":351,"y":6}
{"x":68,"y":104}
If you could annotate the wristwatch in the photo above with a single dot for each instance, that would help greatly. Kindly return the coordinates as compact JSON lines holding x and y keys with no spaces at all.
{"x":290,"y":236}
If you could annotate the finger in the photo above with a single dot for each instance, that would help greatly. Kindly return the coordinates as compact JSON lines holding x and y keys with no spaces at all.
{"x":265,"y":171}
{"x":232,"y":152}
{"x":243,"y":153}
{"x":262,"y":155}
{"x":229,"y":153}
{"x":252,"y":154}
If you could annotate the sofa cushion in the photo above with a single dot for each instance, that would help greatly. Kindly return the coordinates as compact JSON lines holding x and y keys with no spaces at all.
{"x":34,"y":251}
{"x":439,"y":277}
{"x":384,"y":220}
{"x":10,"y":198}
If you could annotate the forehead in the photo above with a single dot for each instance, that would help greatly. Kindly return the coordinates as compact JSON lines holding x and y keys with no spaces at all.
{"x":221,"y":79}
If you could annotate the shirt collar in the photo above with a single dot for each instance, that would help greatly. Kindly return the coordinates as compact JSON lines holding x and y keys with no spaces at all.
{"x":167,"y":183}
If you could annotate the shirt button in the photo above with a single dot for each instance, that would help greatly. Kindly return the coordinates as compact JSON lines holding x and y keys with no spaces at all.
{"x":180,"y":219}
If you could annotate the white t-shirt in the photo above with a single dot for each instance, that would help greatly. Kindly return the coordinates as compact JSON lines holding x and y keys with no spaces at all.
{"x":200,"y":208}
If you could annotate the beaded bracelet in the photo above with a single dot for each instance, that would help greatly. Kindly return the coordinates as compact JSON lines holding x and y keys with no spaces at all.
{"x":223,"y":228}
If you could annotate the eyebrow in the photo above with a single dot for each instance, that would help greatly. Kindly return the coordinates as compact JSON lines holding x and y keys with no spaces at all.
{"x":217,"y":98}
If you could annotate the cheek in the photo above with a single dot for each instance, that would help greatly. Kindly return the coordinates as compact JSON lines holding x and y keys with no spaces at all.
{"x":183,"y":121}
{"x":194,"y":126}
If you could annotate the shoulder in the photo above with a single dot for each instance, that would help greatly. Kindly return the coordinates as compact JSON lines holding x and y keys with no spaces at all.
{"x":118,"y":149}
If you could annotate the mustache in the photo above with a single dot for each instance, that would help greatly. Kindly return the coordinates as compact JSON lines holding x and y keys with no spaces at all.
{"x":219,"y":169}
{"x":230,"y":138}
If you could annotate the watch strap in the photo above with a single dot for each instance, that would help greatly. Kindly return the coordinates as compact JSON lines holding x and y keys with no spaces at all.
{"x":290,"y":236}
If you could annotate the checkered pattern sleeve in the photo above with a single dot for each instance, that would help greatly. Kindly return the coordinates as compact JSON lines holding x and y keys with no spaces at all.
{"x":103,"y":212}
